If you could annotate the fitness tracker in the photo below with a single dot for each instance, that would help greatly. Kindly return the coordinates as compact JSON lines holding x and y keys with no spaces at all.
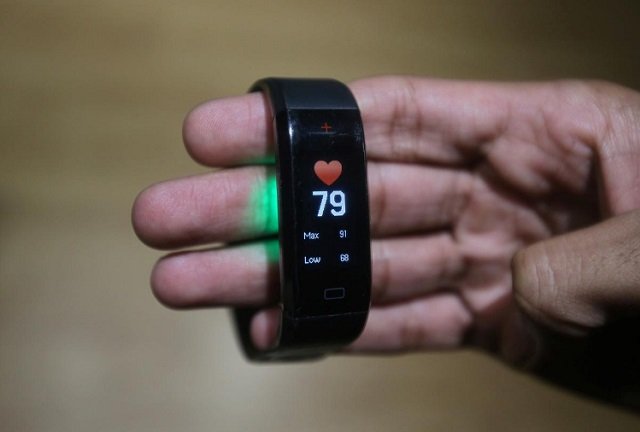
{"x":323,"y":220}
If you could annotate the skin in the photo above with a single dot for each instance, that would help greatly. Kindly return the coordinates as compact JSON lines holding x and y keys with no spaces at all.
{"x":503,"y":217}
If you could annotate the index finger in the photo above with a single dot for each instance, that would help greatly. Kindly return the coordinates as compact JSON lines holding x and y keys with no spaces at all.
{"x":405,"y":119}
{"x":230,"y":131}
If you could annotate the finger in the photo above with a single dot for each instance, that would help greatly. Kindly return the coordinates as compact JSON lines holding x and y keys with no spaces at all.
{"x":571,"y":283}
{"x":405,"y":119}
{"x":247,"y":275}
{"x":228,"y":205}
{"x":230,"y":131}
{"x":236,"y":276}
{"x":264,"y":328}
{"x":422,"y":120}
{"x":577,"y":321}
{"x":409,"y":267}
{"x":413,"y":198}
{"x":439,"y":321}
{"x":617,"y":147}
{"x":240,"y":204}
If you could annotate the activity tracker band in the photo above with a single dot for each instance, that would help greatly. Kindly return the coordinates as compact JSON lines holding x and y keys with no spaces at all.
{"x":323,"y":220}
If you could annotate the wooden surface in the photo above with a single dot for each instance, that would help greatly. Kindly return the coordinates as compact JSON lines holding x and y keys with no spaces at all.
{"x":92,"y":96}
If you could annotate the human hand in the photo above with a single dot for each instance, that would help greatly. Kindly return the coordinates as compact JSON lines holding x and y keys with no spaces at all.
{"x":462,"y":176}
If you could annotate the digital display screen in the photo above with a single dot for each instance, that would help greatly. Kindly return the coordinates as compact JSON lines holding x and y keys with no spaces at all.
{"x":331,"y":229}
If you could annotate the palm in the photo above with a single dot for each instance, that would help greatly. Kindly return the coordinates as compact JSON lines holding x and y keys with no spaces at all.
{"x":495,"y":220}
{"x":461,"y":176}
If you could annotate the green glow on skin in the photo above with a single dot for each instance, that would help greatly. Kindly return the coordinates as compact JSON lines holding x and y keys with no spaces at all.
{"x":272,"y":250}
{"x":262,"y":210}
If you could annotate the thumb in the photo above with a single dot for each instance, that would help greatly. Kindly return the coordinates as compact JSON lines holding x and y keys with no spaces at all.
{"x":576,"y":320}
{"x":572,"y":283}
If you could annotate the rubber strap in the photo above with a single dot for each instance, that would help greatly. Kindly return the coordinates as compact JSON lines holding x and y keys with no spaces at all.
{"x":312,"y":337}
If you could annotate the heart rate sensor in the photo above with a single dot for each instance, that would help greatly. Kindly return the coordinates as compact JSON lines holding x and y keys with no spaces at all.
{"x":323,"y":220}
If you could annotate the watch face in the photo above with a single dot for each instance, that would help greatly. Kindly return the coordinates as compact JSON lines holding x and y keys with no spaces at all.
{"x":331,"y":260}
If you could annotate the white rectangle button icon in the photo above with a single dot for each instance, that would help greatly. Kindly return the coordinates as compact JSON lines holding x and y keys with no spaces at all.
{"x":334,"y":293}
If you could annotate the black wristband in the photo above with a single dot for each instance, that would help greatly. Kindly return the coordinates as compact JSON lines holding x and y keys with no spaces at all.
{"x":323,"y":220}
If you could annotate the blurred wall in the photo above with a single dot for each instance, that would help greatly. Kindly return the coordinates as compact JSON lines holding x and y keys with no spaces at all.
{"x":92,"y":96}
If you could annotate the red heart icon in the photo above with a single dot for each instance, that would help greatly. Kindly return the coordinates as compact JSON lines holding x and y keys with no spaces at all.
{"x":328,"y":173}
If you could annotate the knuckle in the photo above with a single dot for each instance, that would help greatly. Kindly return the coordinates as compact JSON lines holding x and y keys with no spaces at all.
{"x":614,"y":113}
{"x":382,"y":273}
{"x":378,"y":199}
{"x":587,"y":114}
{"x":415,"y":333}
{"x":412,"y":333}
{"x":536,"y":284}
{"x":548,"y":286}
